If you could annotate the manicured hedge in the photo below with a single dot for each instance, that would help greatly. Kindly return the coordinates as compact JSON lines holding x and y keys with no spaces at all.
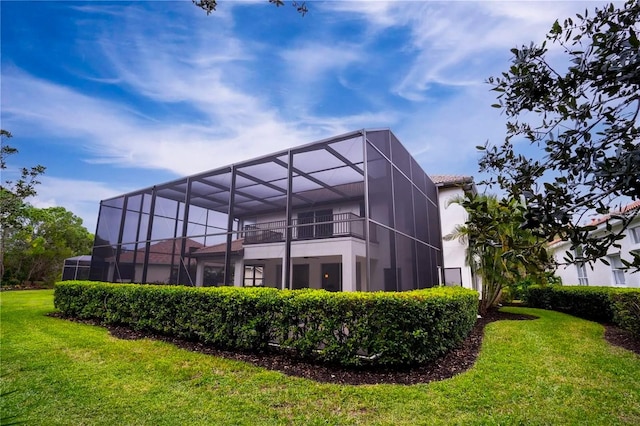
{"x":626,"y":312}
{"x":620,"y":306}
{"x":351,"y":329}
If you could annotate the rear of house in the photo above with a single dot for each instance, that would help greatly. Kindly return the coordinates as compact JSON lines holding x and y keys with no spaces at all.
{"x":352,"y":212}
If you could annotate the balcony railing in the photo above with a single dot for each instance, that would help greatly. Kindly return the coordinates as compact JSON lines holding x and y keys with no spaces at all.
{"x":329,"y":226}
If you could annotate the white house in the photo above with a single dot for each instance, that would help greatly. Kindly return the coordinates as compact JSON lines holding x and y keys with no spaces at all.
{"x":598,"y":273}
{"x":456,"y":271}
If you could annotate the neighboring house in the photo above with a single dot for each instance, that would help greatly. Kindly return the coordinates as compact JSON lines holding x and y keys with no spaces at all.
{"x":353,"y":212}
{"x":599,"y":274}
{"x":456,"y":270}
{"x":76,"y":268}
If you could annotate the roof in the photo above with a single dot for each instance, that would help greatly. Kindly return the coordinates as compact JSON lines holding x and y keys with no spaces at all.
{"x":451,"y":180}
{"x":328,"y":170}
{"x":626,"y":209}
{"x":160,"y":253}
{"x":635,"y":205}
{"x":220,"y":249}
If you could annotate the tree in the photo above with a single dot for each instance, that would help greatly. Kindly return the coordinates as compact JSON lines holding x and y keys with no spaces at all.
{"x":499,"y":250}
{"x":585,"y":118}
{"x":210,"y":5}
{"x":36,"y":250}
{"x":13,"y":194}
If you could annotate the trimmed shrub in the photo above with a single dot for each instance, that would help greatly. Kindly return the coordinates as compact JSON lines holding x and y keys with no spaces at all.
{"x":349,"y":329}
{"x":627,"y":311}
{"x":538,"y":296}
{"x":620,"y":306}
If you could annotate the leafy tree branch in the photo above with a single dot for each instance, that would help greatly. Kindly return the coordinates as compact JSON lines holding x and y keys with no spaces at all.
{"x":210,"y":6}
{"x":585,"y":120}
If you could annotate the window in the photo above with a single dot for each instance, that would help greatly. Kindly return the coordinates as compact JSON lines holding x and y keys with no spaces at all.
{"x":635,"y":234}
{"x":582,"y":270}
{"x":617,"y":270}
{"x":453,"y":276}
{"x":253,"y":275}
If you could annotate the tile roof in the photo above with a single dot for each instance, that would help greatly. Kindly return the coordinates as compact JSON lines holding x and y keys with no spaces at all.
{"x":602,"y":219}
{"x":160,"y":253}
{"x":236,"y":247}
{"x":626,"y":209}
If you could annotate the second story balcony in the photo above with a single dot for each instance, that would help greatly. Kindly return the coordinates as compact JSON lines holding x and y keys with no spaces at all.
{"x":306,"y":228}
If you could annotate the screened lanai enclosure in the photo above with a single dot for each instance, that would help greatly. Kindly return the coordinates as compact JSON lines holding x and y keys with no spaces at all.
{"x":353,"y":212}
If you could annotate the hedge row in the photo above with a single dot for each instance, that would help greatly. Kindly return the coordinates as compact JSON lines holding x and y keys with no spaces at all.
{"x":620,"y":306}
{"x":349,"y":329}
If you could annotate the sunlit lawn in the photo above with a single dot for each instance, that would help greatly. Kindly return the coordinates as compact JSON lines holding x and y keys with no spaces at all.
{"x":554,"y":370}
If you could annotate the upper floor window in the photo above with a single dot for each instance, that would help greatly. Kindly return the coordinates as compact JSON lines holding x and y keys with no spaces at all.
{"x":617,"y":270}
{"x":635,"y":234}
{"x":581,"y":268}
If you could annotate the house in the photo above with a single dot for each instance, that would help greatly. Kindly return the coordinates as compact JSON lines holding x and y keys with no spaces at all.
{"x":600,"y":274}
{"x":352,"y":212}
{"x":76,"y":268}
{"x":456,"y":271}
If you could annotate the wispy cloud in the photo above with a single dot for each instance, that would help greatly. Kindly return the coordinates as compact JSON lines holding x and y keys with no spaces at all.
{"x":459,"y":43}
{"x":455,"y":47}
{"x":168,"y":88}
{"x":112,"y":134}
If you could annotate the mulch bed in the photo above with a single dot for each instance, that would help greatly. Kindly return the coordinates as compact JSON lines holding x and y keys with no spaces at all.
{"x":623,"y":338}
{"x":455,"y":362}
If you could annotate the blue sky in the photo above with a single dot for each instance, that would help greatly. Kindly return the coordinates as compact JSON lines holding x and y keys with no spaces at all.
{"x":117,"y":96}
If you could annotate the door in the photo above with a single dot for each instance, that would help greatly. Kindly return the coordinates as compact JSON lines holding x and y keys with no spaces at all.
{"x":300,"y":277}
{"x":331,"y":276}
{"x":305,"y":231}
{"x":324,"y":229}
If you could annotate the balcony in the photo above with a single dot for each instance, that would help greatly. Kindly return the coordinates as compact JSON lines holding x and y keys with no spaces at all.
{"x":306,"y":228}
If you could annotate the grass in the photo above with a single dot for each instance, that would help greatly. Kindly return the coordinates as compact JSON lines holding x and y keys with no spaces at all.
{"x":554,"y":370}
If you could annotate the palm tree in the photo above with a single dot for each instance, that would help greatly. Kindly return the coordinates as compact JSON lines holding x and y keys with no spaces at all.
{"x":499,"y":251}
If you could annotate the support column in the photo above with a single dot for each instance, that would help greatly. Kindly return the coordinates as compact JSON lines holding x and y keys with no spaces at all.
{"x":227,"y":257}
{"x":200,"y":274}
{"x":349,"y":270}
{"x":287,"y":264}
{"x":367,"y":239}
{"x":152,"y":211}
{"x":239,"y":273}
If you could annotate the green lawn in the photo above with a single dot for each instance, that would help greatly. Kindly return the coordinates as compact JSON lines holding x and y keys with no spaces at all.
{"x":554,"y":370}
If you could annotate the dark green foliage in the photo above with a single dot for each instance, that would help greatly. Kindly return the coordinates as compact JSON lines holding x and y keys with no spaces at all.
{"x":538,"y":297}
{"x":12,"y":197}
{"x":350,"y":329}
{"x":604,"y":304}
{"x":582,"y":119}
{"x":36,"y":250}
{"x":626,"y":311}
{"x":517,"y":290}
{"x":498,"y":249}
